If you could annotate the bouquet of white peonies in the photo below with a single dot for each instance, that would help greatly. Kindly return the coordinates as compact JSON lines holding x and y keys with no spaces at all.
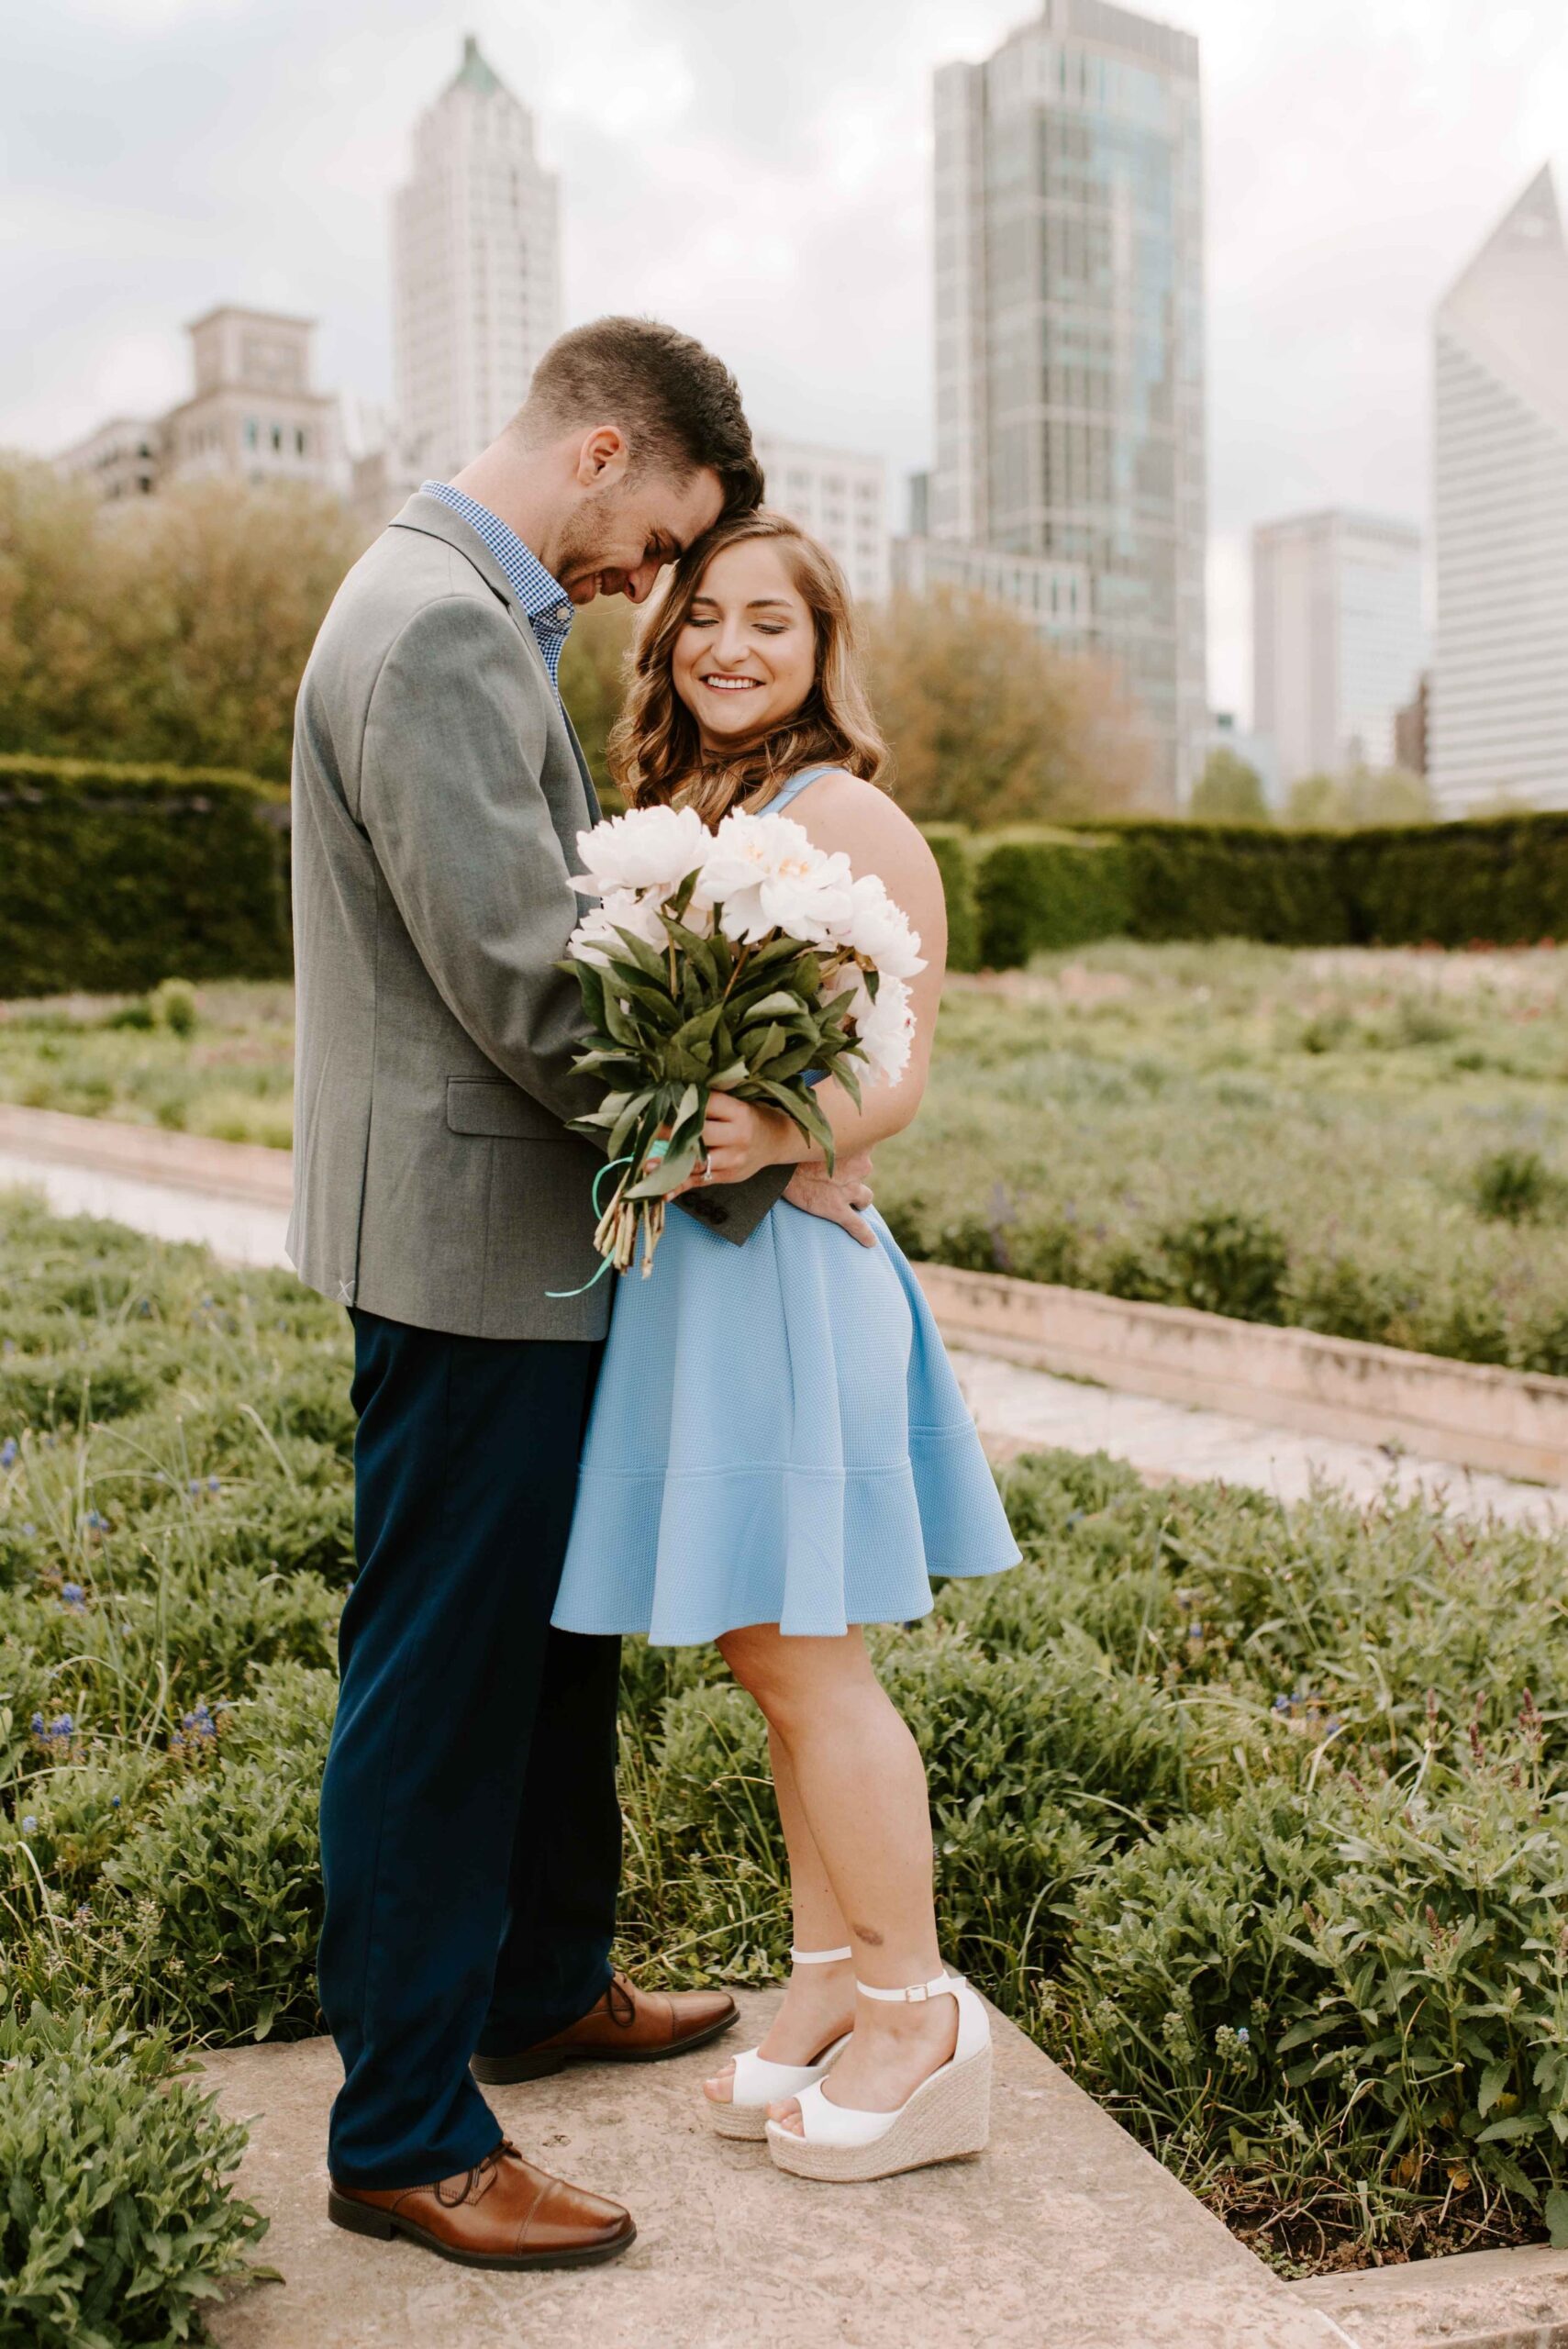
{"x":742,"y":961}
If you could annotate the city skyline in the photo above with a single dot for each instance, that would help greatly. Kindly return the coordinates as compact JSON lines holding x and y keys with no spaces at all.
{"x":171,"y":153}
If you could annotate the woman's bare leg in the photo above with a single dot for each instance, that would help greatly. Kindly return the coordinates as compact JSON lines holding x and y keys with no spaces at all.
{"x":861,"y":1784}
{"x":819,"y":2005}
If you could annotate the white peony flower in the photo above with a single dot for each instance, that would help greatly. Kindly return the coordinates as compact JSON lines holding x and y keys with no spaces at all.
{"x":766,"y":874}
{"x":886,"y":1028}
{"x":651,"y":848}
{"x":880,"y":930}
{"x":594,"y":939}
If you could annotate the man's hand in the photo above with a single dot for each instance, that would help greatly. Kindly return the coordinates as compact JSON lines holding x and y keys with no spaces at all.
{"x":836,"y":1197}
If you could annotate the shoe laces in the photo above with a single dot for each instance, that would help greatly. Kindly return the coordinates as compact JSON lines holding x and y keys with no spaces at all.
{"x":621,"y":2001}
{"x":478,"y":2181}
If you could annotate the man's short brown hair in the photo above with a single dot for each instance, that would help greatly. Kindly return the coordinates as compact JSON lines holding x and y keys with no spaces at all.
{"x":678,"y":406}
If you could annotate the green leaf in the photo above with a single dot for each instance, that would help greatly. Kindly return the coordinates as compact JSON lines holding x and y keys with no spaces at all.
{"x":673,"y":1170}
{"x":1494,"y":2080}
{"x":1557,"y":2217}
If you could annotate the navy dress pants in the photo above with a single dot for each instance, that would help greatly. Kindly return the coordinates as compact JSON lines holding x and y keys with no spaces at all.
{"x":470,"y":1829}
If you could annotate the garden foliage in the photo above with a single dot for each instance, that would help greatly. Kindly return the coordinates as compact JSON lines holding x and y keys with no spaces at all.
{"x":1258,"y":1819}
{"x":112,"y":876}
{"x":1501,"y":881}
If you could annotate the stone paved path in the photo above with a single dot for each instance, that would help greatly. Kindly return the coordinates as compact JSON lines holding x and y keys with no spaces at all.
{"x":1016,"y":1408}
{"x":1063,"y":2235}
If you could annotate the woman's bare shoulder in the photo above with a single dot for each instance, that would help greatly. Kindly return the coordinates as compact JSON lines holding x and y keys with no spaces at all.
{"x":842,"y":811}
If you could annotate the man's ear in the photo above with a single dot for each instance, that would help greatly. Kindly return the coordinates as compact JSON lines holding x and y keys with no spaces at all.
{"x":603,"y":458}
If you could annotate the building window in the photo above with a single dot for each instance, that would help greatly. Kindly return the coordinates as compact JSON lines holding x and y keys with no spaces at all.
{"x":278,"y":439}
{"x":251,"y":435}
{"x":299,"y":441}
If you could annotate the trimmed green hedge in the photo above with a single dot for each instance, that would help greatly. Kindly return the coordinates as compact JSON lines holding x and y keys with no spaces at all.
{"x":950,"y":844}
{"x":113,"y":876}
{"x":1499,"y":881}
{"x":1044,"y":888}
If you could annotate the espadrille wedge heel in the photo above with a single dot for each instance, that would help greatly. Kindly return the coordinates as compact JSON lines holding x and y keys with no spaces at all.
{"x":948,"y":2116}
{"x":756,"y":2083}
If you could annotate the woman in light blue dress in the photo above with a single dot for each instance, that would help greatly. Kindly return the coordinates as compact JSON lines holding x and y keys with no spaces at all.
{"x":779,"y":1452}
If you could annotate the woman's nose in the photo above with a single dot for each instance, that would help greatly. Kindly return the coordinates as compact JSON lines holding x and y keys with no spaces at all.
{"x":732,"y":645}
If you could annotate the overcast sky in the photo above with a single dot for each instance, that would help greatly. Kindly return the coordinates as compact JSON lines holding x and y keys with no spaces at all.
{"x":760,"y":177}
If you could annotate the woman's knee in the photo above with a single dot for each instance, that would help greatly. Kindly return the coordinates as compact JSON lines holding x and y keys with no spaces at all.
{"x":789,"y":1677}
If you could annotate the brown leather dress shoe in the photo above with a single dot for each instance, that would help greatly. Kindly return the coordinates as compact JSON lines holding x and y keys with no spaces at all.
{"x":505,"y":2213}
{"x":628,"y":2026}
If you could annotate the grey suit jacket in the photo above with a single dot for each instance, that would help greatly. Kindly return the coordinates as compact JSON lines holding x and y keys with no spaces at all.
{"x":437,"y":793}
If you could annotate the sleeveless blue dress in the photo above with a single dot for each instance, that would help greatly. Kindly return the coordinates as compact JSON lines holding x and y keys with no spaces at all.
{"x":777,"y":1437}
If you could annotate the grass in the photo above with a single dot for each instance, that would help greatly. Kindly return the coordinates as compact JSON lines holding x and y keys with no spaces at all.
{"x":117,"y":1056}
{"x":1256,"y":1818}
{"x":1370,"y":1145}
{"x":1374,"y":1145}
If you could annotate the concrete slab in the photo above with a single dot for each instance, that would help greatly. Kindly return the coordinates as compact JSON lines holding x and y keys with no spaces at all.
{"x":1019,"y":1409}
{"x":1064,"y":2235}
{"x":239,"y":1230}
{"x":1481,"y":2299}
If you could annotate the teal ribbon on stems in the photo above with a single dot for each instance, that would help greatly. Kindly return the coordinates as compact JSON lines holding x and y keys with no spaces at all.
{"x":607,"y":1168}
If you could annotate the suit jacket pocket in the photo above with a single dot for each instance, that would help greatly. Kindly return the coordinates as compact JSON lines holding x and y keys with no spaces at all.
{"x":488,"y":1104}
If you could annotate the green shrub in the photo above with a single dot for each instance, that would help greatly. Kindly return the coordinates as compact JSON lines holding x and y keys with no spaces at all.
{"x":118,"y":2224}
{"x":1224,"y":1261}
{"x":64,"y":1392}
{"x":174,"y":1006}
{"x":1301,"y":1978}
{"x":1042,"y":888}
{"x":231,"y":1863}
{"x":1517,"y":1186}
{"x":1501,"y":881}
{"x":1234,"y":881}
{"x":109,"y":874}
{"x":948,"y":843}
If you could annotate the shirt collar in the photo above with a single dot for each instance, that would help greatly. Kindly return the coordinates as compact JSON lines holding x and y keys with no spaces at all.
{"x":540,"y":597}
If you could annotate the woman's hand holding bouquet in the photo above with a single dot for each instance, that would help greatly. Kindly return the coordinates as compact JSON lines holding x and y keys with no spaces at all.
{"x":743,"y":962}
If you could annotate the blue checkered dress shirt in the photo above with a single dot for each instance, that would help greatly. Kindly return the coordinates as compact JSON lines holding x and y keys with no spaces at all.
{"x":540,"y":597}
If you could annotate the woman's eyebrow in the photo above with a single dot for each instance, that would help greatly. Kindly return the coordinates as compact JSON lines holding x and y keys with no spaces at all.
{"x":767,"y":604}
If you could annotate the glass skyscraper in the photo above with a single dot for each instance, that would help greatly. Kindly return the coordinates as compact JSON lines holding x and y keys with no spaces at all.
{"x":1499,"y":707}
{"x":1069,"y":315}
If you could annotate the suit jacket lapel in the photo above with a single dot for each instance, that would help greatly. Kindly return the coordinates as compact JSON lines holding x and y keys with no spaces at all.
{"x":438,"y":520}
{"x":590,"y":790}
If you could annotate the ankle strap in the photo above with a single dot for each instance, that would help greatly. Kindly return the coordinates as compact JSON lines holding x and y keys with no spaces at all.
{"x":917,"y":1991}
{"x":818,"y":1956}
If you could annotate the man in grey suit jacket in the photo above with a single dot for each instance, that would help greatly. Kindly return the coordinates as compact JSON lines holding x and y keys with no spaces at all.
{"x":471,"y":1837}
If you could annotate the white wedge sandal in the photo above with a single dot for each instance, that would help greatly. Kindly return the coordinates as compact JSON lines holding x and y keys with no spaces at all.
{"x":948,"y":2116}
{"x":756,"y":2083}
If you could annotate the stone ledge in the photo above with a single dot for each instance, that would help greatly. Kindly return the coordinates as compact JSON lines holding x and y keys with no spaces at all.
{"x":1512,"y":1423}
{"x":1065,"y":2233}
{"x":1515,"y":1422}
{"x":1478,"y":2299}
{"x":237,"y":1170}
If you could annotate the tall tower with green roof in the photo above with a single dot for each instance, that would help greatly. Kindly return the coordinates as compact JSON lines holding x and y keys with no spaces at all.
{"x":476,"y":268}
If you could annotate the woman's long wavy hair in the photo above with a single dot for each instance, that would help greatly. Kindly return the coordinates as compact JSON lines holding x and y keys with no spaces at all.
{"x":655,"y":752}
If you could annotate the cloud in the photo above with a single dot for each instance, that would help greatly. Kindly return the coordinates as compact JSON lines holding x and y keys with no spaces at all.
{"x":763,"y":179}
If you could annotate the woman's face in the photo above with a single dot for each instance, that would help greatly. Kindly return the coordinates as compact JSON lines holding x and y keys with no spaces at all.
{"x":746,"y":659}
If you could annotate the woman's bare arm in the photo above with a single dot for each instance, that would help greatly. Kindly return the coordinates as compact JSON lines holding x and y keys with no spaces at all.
{"x":841,"y":812}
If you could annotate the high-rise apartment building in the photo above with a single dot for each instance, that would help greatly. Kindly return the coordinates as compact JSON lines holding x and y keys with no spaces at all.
{"x":476,"y":268}
{"x":1498,"y":718}
{"x":1068,"y":310}
{"x":841,"y":499}
{"x":1337,"y":639}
